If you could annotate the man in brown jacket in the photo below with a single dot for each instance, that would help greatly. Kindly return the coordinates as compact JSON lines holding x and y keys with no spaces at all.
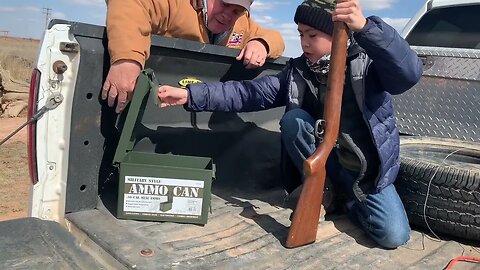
{"x":223,"y":22}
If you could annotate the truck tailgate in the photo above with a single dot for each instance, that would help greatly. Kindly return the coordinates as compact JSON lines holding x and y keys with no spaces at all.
{"x":249,"y":220}
{"x":247,"y":231}
{"x":31,"y":243}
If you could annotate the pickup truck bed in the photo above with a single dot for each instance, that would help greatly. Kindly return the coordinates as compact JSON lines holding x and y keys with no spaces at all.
{"x":32,"y":243}
{"x":249,"y":219}
{"x":247,"y":231}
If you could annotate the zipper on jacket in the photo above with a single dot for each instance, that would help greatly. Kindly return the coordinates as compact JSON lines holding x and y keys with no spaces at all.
{"x":377,"y":178}
{"x":363,"y":167}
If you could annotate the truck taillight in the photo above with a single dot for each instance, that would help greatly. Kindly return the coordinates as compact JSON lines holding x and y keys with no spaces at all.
{"x":32,"y":127}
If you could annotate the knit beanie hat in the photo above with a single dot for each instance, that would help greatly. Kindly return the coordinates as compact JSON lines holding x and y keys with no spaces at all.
{"x":317,"y":14}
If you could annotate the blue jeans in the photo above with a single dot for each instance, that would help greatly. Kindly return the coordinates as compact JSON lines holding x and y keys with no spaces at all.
{"x":381,"y":215}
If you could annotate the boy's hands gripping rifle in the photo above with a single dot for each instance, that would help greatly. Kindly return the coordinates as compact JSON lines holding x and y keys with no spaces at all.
{"x":303,"y":229}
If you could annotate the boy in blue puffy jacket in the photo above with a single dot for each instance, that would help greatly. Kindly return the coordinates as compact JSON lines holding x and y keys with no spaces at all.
{"x":365,"y":164}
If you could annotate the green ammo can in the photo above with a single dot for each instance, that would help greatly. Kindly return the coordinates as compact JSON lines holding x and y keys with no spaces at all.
{"x":158,"y":187}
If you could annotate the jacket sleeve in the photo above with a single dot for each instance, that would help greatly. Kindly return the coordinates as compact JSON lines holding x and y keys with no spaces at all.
{"x":129,"y":26}
{"x":238,"y":96}
{"x":394,"y":63}
{"x":274,"y":40}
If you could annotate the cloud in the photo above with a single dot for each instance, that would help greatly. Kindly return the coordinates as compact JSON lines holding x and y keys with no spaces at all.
{"x":264,"y":20}
{"x":8,"y":9}
{"x":292,"y":39}
{"x":58,"y":15}
{"x":96,"y":3}
{"x":292,"y":48}
{"x":288,"y":30}
{"x":259,"y":6}
{"x":397,"y":23}
{"x":99,"y":16}
{"x":377,"y":4}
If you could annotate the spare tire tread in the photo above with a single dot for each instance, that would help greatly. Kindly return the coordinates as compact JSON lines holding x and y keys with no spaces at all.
{"x":454,"y":222}
{"x":453,"y":205}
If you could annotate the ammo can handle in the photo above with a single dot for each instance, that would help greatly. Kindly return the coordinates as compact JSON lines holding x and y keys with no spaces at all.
{"x":145,"y":85}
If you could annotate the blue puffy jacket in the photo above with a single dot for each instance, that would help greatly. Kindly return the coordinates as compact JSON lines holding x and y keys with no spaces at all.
{"x":385,"y":66}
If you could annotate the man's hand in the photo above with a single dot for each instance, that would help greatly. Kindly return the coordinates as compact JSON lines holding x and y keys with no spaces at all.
{"x":172,"y":96}
{"x":350,"y":12}
{"x":120,"y":83}
{"x":253,"y":54}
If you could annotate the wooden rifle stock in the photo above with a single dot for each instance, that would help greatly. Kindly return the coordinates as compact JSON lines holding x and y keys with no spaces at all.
{"x":303,"y":229}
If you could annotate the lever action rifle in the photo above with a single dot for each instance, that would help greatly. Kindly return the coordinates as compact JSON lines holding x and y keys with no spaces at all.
{"x":303,"y":229}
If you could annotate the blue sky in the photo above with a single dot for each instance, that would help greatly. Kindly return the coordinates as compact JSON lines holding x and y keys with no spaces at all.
{"x":26,"y":18}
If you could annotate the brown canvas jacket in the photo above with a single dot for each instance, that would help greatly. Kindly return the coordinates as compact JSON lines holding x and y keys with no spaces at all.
{"x":130,"y":22}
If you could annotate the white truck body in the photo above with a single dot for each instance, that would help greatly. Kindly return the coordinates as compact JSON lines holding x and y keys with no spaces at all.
{"x":75,"y":182}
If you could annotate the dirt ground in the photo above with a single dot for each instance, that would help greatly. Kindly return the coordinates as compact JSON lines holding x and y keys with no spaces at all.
{"x":17,"y":58}
{"x":14,"y":179}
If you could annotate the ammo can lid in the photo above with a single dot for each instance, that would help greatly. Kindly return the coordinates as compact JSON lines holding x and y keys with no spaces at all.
{"x":133,"y":114}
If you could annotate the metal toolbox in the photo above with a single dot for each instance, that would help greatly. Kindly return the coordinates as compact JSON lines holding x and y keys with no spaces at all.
{"x":158,"y":187}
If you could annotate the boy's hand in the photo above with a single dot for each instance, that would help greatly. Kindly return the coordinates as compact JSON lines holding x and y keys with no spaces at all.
{"x":172,"y":96}
{"x":350,"y":12}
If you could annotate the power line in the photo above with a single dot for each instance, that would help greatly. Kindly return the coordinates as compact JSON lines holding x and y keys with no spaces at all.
{"x":47,"y":12}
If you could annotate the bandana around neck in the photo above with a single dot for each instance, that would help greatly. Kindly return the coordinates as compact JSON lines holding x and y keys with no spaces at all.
{"x":322,"y":66}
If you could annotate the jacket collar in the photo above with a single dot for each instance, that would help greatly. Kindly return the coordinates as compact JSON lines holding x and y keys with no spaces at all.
{"x":300,"y":64}
{"x":354,"y":49}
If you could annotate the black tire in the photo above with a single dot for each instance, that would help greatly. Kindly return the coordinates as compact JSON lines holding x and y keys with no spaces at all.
{"x":452,"y":168}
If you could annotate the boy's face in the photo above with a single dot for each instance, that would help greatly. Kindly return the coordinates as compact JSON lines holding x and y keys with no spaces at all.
{"x":222,"y":16}
{"x":315,"y":43}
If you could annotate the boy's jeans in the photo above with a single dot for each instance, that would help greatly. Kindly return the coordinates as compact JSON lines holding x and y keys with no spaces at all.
{"x":381,"y":215}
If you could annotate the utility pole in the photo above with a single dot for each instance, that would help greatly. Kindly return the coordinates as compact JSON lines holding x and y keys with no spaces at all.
{"x":47,"y":12}
{"x":5,"y":34}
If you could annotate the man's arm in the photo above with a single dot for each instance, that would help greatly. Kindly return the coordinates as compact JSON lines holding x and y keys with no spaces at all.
{"x":273,"y":39}
{"x":258,"y":43}
{"x":129,"y":26}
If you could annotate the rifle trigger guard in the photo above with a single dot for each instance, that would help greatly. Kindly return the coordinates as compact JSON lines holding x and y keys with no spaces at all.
{"x":319,"y":129}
